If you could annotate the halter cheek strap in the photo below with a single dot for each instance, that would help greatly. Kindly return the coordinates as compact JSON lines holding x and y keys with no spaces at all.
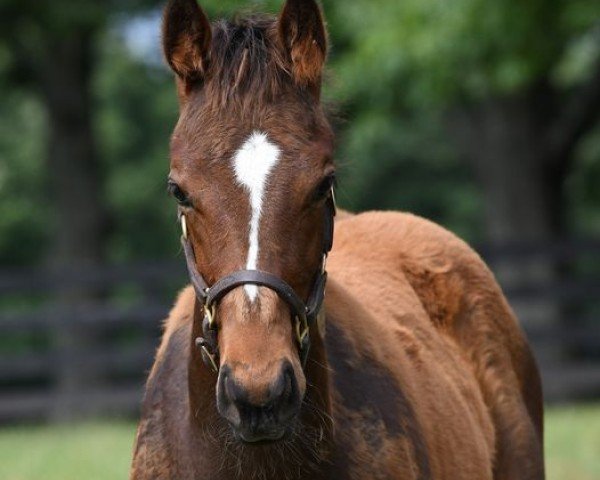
{"x":304,"y":313}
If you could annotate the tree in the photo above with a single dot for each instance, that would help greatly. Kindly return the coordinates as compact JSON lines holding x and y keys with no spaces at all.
{"x":519,"y":82}
{"x":52,"y":53}
{"x":514,"y":86}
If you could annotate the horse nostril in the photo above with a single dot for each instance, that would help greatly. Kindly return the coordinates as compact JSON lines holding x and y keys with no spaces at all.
{"x":285,"y":395}
{"x":232,"y":390}
{"x":263,"y":416}
{"x":280,"y":388}
{"x":289,"y":379}
{"x":229,"y":396}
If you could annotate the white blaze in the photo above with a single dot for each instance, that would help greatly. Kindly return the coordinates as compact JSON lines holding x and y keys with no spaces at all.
{"x":253,"y":163}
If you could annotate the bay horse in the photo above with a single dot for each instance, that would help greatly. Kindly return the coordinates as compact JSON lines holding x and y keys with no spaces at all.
{"x":414,"y":366}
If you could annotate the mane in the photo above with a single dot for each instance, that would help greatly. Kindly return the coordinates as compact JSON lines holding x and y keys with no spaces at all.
{"x":247,"y":59}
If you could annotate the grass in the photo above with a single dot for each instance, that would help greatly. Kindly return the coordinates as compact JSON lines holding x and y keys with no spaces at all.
{"x":102,"y":451}
{"x":95,"y":451}
{"x":573,"y":443}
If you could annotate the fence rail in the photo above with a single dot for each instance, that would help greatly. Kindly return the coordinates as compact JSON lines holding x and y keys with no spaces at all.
{"x":61,"y":357}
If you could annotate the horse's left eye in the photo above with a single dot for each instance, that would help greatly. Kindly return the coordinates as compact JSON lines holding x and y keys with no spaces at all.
{"x":178,"y":194}
{"x":324,"y":187}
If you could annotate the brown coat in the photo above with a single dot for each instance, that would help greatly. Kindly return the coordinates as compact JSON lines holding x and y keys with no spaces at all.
{"x":430,"y":376}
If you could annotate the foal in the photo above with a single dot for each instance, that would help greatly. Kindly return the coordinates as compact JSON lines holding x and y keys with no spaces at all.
{"x":413,"y":368}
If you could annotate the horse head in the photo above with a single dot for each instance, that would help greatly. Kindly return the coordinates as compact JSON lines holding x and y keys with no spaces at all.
{"x":252,"y":172}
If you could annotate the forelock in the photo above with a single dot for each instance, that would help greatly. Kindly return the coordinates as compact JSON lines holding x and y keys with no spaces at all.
{"x":247,"y":60}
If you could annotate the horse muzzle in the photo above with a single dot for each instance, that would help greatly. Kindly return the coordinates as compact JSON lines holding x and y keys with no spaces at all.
{"x":264,"y":416}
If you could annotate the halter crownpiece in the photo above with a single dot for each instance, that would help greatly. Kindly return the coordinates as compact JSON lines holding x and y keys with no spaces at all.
{"x":304,"y":313}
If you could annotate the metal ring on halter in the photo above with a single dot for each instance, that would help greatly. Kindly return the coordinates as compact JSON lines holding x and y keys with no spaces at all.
{"x":183,"y":222}
{"x":333,"y":200}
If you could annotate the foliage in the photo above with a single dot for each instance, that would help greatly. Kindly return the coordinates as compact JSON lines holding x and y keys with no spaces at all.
{"x":583,"y":193}
{"x":432,"y":51}
{"x":23,"y":209}
{"x":432,"y":56}
{"x":134,"y":148}
{"x":396,"y":69}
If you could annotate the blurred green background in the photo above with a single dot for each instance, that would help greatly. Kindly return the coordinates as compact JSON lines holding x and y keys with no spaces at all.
{"x":483,"y":116}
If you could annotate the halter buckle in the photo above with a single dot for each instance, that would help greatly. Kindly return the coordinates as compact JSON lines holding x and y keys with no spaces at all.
{"x":210,"y":314}
{"x":207,"y":355}
{"x":211,"y":359}
{"x":302,"y":329}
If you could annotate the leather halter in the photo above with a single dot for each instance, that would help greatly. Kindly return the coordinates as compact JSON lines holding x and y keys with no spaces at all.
{"x":304,"y":313}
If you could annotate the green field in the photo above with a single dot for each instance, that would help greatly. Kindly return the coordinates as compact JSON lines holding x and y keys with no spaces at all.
{"x":102,"y":450}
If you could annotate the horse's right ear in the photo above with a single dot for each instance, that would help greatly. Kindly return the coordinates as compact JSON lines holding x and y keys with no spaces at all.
{"x":186,"y":39}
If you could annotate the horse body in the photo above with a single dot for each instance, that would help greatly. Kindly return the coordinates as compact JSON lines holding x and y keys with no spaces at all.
{"x":414,"y":368}
{"x":411,"y":396}
{"x":431,"y":301}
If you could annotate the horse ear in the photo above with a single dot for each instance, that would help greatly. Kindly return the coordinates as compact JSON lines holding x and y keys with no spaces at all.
{"x":302,"y":31}
{"x":186,"y":39}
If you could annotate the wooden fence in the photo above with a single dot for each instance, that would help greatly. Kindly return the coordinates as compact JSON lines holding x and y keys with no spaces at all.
{"x":65,"y":354}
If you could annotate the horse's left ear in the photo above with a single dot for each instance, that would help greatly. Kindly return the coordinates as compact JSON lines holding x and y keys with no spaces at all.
{"x":303,"y":34}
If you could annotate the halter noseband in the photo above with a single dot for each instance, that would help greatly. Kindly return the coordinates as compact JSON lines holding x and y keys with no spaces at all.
{"x":304,"y":314}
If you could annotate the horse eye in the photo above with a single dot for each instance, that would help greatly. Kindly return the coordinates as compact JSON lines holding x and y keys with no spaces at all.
{"x":324,"y":187}
{"x":179,"y":195}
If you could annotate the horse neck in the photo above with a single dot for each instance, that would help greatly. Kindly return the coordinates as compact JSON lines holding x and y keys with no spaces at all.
{"x":308,"y":447}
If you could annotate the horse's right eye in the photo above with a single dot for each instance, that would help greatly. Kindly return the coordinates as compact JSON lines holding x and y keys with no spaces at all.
{"x":178,"y":194}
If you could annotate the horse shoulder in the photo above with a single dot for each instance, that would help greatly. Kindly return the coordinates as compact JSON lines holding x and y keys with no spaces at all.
{"x":155,"y":454}
{"x":402,"y":395}
{"x":464,"y":303}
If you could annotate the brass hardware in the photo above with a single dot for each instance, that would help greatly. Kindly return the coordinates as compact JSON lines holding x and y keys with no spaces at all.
{"x":184,"y":230}
{"x":207,"y":355}
{"x":334,"y":201}
{"x":210,"y":314}
{"x":301,"y":329}
{"x":211,"y":358}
